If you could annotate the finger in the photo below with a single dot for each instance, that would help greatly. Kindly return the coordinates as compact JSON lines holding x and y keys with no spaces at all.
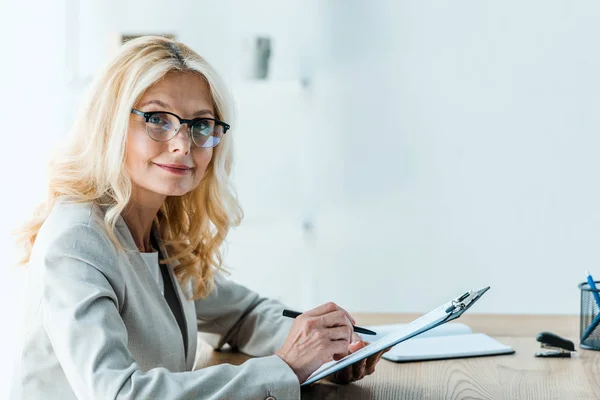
{"x":377,"y":357}
{"x":326,"y":309}
{"x":344,"y":375}
{"x":369,"y":370}
{"x":338,"y":349}
{"x":370,"y":363}
{"x":339,"y":333}
{"x":336,"y":318}
{"x":355,"y":346}
{"x":359,"y":369}
{"x":350,"y":317}
{"x":320,"y":310}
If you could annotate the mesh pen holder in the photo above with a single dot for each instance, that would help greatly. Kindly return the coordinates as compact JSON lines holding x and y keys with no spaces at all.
{"x":588,"y":313}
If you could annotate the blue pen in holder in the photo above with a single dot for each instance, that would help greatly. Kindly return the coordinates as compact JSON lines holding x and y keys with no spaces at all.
{"x":589,"y":326}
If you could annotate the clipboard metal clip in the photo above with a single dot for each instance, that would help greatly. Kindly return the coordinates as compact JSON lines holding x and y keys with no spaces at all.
{"x":462,"y":302}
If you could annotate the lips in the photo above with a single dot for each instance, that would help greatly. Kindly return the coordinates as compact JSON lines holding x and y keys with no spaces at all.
{"x":175,"y":166}
{"x":177,"y":169}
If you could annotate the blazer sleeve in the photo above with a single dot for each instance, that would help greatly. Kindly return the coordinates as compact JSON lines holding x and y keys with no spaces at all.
{"x":81,"y":316}
{"x":238,"y":316}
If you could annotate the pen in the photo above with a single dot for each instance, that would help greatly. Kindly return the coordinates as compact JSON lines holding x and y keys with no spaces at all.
{"x":596,"y":320}
{"x":592,"y":285}
{"x":357,"y":329}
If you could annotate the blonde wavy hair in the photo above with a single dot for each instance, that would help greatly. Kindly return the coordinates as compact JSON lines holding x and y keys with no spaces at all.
{"x":90,"y":167}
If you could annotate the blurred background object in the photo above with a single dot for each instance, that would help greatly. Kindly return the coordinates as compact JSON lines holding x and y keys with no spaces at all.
{"x":386,"y":150}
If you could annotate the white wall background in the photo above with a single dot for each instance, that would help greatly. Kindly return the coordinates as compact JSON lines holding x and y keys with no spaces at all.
{"x":33,"y":81}
{"x":474,"y":161}
{"x":441,"y":145}
{"x":456,"y":147}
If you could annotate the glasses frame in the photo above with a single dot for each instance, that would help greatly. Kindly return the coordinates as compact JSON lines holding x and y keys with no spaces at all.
{"x":190,"y":123}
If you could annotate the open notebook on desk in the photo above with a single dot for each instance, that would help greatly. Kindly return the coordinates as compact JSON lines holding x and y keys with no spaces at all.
{"x":451,"y":340}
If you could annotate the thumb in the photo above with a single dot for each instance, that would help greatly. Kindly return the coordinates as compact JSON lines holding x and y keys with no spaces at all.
{"x":356,"y":345}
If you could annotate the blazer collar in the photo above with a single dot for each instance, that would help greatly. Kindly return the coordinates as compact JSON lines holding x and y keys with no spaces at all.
{"x":184,"y":294}
{"x":188,"y":306}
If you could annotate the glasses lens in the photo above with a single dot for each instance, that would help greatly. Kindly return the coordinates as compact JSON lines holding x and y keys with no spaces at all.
{"x":162,"y":127}
{"x":206,"y":133}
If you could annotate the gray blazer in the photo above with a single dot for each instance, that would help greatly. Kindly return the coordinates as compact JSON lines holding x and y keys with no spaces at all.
{"x":98,"y":327}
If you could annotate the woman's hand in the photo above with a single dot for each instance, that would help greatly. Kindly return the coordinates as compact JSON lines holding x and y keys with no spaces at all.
{"x":316,"y":337}
{"x":359,"y":369}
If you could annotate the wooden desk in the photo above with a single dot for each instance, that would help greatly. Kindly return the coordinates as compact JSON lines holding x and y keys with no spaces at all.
{"x":517,"y":376}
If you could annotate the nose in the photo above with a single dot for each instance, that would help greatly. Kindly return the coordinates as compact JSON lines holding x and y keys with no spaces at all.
{"x":182,"y":142}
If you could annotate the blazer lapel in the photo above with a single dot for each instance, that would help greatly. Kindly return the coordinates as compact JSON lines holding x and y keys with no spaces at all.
{"x":188,"y":307}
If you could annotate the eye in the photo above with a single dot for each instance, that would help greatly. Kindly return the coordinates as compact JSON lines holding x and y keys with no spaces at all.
{"x":203,"y":127}
{"x":157,"y":119}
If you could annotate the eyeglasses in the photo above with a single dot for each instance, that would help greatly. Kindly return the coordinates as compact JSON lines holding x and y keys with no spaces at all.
{"x":163,"y":126}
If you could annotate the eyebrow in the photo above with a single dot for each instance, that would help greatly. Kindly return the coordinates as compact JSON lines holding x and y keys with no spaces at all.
{"x":167,"y":107}
{"x":203,"y":112}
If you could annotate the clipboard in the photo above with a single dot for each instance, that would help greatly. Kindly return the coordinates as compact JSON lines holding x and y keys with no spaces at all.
{"x":438,"y":316}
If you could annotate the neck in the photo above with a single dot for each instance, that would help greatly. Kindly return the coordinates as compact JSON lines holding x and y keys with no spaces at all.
{"x":138,"y":216}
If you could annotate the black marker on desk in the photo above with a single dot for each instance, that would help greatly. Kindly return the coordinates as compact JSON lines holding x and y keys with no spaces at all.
{"x":357,"y":329}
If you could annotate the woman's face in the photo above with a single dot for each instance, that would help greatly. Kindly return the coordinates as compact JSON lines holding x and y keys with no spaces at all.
{"x":175,"y":167}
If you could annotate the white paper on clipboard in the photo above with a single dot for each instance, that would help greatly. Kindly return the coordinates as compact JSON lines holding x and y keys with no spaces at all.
{"x":420,"y":325}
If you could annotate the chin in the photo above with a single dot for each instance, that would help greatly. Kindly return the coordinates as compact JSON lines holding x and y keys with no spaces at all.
{"x":171,"y":191}
{"x":177,"y":193}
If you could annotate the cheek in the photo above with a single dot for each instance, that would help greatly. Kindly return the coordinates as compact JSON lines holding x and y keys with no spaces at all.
{"x":202,"y":158}
{"x":139,"y":151}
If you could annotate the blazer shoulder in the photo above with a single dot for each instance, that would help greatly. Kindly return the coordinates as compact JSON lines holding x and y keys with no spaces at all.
{"x":77,"y":228}
{"x":75,"y":231}
{"x":69,"y":213}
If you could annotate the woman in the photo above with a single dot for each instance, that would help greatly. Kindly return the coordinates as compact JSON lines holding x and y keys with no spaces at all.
{"x":124,"y":260}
